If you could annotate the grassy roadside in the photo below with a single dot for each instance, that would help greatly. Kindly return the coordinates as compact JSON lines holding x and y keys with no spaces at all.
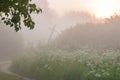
{"x":4,"y":76}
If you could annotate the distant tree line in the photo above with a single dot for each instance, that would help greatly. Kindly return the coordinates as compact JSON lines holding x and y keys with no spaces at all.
{"x":99,"y":36}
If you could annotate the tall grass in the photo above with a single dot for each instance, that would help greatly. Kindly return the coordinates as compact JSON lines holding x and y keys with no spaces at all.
{"x":85,"y":64}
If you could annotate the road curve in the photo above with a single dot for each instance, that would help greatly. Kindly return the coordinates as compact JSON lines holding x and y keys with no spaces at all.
{"x":4,"y":67}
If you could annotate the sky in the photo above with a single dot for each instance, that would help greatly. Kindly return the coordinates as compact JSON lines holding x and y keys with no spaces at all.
{"x":101,"y":8}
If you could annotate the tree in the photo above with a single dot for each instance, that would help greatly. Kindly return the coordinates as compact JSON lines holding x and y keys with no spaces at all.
{"x":14,"y":12}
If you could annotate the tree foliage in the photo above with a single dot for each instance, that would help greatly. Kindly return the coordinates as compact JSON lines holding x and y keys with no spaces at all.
{"x":13,"y":12}
{"x":97,"y":36}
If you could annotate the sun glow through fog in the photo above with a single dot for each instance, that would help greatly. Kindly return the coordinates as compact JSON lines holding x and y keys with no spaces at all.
{"x":104,"y":8}
{"x":99,"y":8}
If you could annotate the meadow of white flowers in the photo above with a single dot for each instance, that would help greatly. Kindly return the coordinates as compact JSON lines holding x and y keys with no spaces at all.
{"x":84,"y":64}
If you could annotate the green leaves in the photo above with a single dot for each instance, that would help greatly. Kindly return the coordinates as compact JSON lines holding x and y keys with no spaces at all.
{"x":15,"y":12}
{"x":16,"y":18}
{"x":29,"y":23}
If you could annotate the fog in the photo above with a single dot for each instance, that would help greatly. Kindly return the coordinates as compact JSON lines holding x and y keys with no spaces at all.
{"x":49,"y":19}
{"x":50,"y":24}
{"x":71,"y":40}
{"x":11,"y":43}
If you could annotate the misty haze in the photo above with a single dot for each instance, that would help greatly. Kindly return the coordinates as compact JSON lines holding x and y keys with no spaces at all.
{"x":60,"y":40}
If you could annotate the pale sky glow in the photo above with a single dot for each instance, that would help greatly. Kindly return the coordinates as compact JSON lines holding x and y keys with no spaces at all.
{"x":101,"y":8}
{"x":63,"y":6}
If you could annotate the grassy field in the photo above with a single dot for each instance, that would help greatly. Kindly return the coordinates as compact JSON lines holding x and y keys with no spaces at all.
{"x":61,"y":65}
{"x":4,"y":76}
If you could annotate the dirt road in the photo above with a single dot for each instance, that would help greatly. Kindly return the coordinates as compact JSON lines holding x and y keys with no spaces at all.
{"x":4,"y":67}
